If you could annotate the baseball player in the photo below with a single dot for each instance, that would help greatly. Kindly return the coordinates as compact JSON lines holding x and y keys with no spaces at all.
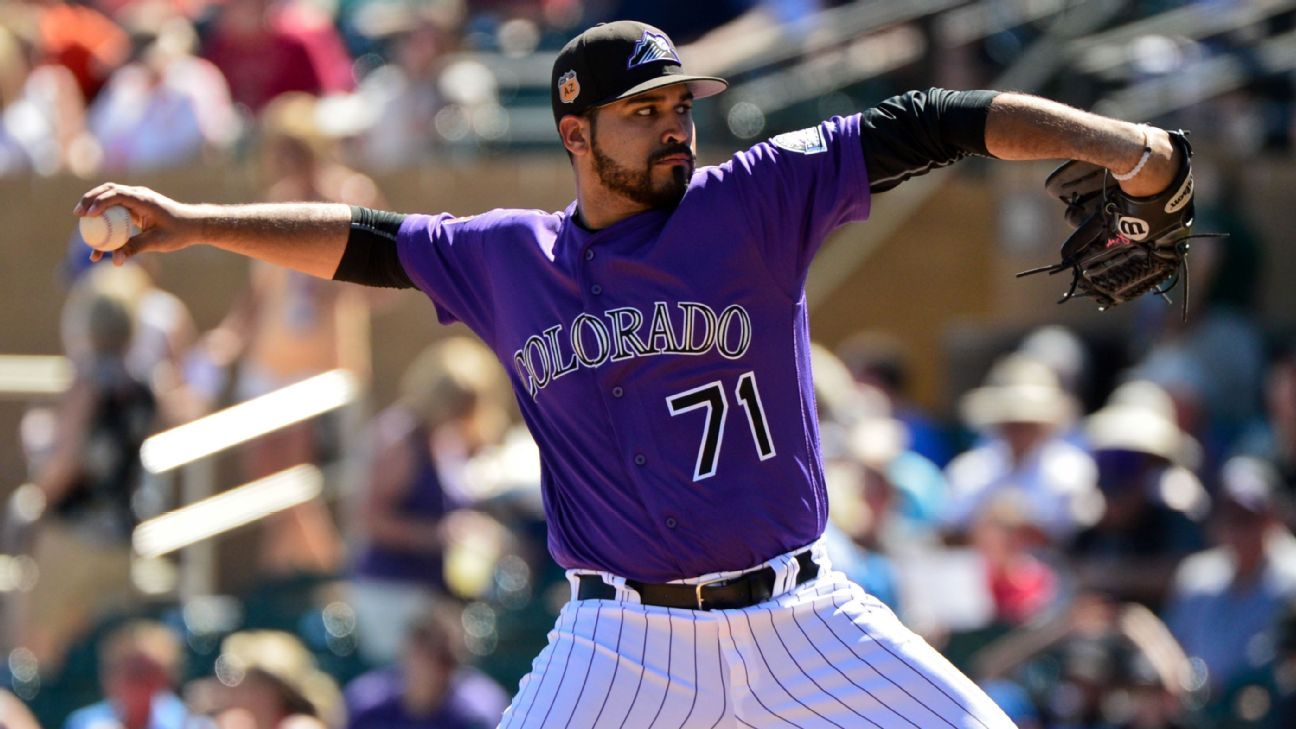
{"x":655,"y":332}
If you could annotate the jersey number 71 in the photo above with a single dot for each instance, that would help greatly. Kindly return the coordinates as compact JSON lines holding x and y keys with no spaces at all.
{"x":711,"y":397}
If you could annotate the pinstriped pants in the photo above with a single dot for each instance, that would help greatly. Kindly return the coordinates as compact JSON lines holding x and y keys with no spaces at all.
{"x":824,"y":654}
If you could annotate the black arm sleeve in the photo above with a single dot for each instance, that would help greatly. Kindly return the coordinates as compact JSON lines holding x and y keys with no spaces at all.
{"x":370,"y":257}
{"x":911,"y":134}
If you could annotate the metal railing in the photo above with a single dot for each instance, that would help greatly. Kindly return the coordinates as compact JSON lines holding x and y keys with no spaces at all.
{"x":25,"y":376}
{"x":189,"y":450}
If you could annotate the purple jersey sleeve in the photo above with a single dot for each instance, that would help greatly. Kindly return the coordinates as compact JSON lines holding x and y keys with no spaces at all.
{"x":452,"y":259}
{"x":798,"y":187}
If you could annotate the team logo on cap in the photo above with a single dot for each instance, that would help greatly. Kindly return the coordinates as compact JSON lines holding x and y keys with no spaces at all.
{"x":568,"y":87}
{"x":652,"y":47}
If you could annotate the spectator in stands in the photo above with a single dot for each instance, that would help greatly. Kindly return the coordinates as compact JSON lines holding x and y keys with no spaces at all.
{"x":83,"y":40}
{"x":42,"y":127}
{"x":862,"y":504}
{"x":405,"y":95}
{"x":452,"y":404}
{"x":1275,"y":438}
{"x":140,"y":664}
{"x":1021,"y":409}
{"x":89,"y":479}
{"x":859,"y":431}
{"x":272,"y":682}
{"x":1099,"y":664}
{"x":1021,"y":585}
{"x":1226,"y":601}
{"x":1284,"y":670}
{"x":164,"y":108}
{"x":1153,"y":502}
{"x":884,"y":497}
{"x":431,"y":688}
{"x":162,"y":352}
{"x":288,"y":326}
{"x":14,"y":714}
{"x":266,"y":49}
{"x":878,"y":360}
{"x":1065,"y":353}
{"x":1015,"y":702}
{"x":13,"y":74}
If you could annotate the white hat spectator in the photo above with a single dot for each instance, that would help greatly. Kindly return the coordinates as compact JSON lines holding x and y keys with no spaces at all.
{"x":1140,"y":416}
{"x":1018,"y":389}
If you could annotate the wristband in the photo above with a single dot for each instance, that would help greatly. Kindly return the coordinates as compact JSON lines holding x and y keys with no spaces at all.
{"x":1147,"y":154}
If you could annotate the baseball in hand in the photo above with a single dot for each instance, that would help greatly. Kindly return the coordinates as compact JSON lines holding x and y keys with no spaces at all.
{"x":109,"y":230}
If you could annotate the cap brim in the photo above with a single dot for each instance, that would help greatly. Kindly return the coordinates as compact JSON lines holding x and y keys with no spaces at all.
{"x":701,"y":86}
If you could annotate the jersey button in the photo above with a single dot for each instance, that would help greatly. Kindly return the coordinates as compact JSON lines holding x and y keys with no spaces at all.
{"x":639,"y":459}
{"x":670,"y":522}
{"x":596,"y":289}
{"x":589,"y":254}
{"x":617,"y":391}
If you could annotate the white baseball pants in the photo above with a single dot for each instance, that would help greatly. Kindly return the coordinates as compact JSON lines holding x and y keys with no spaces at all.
{"x":824,"y":654}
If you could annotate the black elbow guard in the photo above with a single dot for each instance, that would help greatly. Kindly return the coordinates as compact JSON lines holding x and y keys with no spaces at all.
{"x":370,"y":257}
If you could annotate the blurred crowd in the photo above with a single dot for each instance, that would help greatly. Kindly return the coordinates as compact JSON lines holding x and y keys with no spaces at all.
{"x":1101,"y":536}
{"x":119,"y":87}
{"x":114,"y":87}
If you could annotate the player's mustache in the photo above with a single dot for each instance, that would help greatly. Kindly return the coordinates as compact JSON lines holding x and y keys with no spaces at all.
{"x":668,"y":151}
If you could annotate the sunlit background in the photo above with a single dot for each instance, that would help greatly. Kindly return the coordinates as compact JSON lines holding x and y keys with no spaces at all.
{"x":222,"y":484}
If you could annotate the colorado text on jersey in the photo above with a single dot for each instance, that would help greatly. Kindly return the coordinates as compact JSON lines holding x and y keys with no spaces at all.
{"x":589,"y":341}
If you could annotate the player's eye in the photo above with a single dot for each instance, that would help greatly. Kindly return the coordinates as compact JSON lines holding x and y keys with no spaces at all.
{"x":683,"y":108}
{"x":645,"y":111}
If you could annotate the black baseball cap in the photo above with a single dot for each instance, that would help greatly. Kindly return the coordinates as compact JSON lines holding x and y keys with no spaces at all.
{"x":616,"y":60}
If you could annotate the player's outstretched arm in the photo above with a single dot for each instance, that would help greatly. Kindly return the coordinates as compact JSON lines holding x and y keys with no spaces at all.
{"x":1022,"y":127}
{"x":307,"y":237}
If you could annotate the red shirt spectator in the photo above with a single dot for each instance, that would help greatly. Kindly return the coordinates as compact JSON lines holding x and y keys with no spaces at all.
{"x":264,"y":52}
{"x":85,"y":41}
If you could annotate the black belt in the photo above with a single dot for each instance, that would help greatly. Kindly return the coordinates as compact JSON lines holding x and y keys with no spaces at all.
{"x":742,"y":591}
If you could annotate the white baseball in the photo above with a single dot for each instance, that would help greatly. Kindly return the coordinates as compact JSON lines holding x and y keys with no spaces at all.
{"x":109,"y":230}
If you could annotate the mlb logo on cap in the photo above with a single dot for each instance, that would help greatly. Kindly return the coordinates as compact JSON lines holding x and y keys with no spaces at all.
{"x":568,"y":87}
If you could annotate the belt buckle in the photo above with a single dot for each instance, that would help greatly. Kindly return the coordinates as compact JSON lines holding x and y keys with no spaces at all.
{"x":697,"y":591}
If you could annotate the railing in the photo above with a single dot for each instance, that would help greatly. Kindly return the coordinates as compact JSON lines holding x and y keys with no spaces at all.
{"x":199,"y":521}
{"x":189,"y":450}
{"x":23,"y":376}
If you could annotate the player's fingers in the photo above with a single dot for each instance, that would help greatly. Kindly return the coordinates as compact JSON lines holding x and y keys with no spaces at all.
{"x":128,"y":249}
{"x":127,"y":198}
{"x":153,"y":239}
{"x":95,"y":255}
{"x":145,"y":206}
{"x":88,"y":199}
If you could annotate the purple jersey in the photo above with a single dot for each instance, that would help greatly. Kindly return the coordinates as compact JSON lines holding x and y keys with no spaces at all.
{"x":662,"y":364}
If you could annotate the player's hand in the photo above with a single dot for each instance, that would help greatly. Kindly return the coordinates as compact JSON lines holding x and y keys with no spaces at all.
{"x":164,"y":224}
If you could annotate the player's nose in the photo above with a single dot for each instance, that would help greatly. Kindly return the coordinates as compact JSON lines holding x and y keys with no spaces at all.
{"x":678,"y":130}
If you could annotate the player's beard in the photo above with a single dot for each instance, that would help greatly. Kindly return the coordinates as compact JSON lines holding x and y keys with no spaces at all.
{"x":638,"y":184}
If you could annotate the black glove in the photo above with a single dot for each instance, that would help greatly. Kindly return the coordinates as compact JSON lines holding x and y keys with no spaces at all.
{"x":1123,"y":247}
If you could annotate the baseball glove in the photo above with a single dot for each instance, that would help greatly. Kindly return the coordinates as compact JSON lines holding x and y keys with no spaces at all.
{"x":1122,"y":246}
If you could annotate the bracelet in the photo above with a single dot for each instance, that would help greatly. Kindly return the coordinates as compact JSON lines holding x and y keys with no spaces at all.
{"x":1147,"y":154}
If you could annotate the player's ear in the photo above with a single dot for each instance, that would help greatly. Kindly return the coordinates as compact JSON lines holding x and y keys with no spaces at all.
{"x":575,"y":133}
